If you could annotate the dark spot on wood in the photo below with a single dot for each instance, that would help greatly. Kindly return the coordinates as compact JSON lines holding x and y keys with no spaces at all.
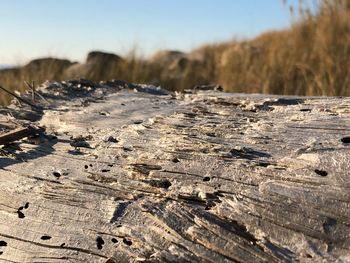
{"x":3,"y":243}
{"x":99,"y":242}
{"x":248,"y":153}
{"x":63,"y":244}
{"x":111,"y":139}
{"x":209,"y":205}
{"x":175,"y":160}
{"x":329,"y":224}
{"x":45,"y":237}
{"x":123,"y":104}
{"x":90,"y":165}
{"x":104,"y":113}
{"x":138,"y":121}
{"x":20,"y":208}
{"x":159,"y":183}
{"x":114,"y":240}
{"x":105,"y":170}
{"x":321,"y":172}
{"x":285,"y":101}
{"x":119,"y":211}
{"x":127,"y":149}
{"x":280,"y":168}
{"x":75,"y":152}
{"x":127,"y":242}
{"x":1,"y":252}
{"x":52,"y":137}
{"x":80,"y":143}
{"x":263,"y":164}
{"x":56,"y":174}
{"x":305,"y":110}
{"x":20,"y":214}
{"x":110,"y":165}
{"x":308,"y":256}
{"x":26,"y":205}
{"x":345,"y":139}
{"x":86,"y":166}
{"x":206,"y":179}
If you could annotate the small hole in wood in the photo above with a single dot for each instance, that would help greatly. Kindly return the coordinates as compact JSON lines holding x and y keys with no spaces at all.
{"x":160,"y":183}
{"x":20,"y":214}
{"x":99,"y":242}
{"x":114,"y":240}
{"x":110,"y":165}
{"x":90,"y":165}
{"x":63,"y":244}
{"x":166,"y":184}
{"x":1,"y":252}
{"x":345,"y":139}
{"x":321,"y":172}
{"x":127,"y":242}
{"x":45,"y":237}
{"x":206,"y":179}
{"x":127,"y":149}
{"x":3,"y":243}
{"x":112,"y":139}
{"x":175,"y":160}
{"x":56,"y":174}
{"x":263,"y":164}
{"x":86,"y":166}
{"x":105,"y":170}
{"x":26,"y":205}
{"x":329,"y":224}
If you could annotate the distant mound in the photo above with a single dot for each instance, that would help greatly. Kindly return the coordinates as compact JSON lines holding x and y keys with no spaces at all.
{"x":51,"y":68}
{"x":98,"y":66}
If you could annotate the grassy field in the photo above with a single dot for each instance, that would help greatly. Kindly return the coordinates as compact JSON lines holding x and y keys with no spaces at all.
{"x":309,"y":58}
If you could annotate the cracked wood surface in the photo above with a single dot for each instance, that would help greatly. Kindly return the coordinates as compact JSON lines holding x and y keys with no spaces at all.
{"x":130,"y":173}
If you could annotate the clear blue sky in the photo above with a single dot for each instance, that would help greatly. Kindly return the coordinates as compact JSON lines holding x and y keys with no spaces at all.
{"x":71,"y":28}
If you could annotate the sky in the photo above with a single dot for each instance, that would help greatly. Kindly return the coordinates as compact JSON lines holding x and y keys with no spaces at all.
{"x":71,"y":28}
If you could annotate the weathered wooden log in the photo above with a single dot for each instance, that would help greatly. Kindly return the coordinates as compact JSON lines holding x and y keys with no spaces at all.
{"x":202,"y":177}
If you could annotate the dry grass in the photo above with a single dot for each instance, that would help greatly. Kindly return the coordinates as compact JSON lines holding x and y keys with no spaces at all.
{"x":309,"y":58}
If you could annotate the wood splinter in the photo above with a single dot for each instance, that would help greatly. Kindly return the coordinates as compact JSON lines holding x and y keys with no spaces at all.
{"x":19,"y":133}
{"x":31,"y":87}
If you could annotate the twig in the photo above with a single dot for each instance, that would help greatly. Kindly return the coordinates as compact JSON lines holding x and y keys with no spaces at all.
{"x":19,"y":102}
{"x":32,"y":88}
{"x":33,"y":91}
{"x":20,"y":99}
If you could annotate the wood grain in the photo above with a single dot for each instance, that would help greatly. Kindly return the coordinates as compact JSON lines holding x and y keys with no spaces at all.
{"x":199,"y":177}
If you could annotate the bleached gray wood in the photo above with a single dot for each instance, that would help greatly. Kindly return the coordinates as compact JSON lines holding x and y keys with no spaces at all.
{"x":197,"y":177}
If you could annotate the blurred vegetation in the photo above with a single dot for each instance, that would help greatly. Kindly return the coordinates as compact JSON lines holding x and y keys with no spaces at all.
{"x":309,"y":58}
